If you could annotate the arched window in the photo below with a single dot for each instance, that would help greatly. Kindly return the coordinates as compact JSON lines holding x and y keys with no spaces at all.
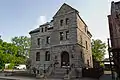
{"x":67,"y":21}
{"x":47,"y":56}
{"x":61,"y":22}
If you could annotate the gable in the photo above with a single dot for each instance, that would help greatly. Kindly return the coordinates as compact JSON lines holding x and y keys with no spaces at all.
{"x":64,"y":9}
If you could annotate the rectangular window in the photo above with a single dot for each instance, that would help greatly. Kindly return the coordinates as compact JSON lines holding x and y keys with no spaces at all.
{"x":61,"y":35}
{"x":85,"y":28}
{"x":67,"y":35}
{"x":47,"y":56}
{"x":38,"y":56}
{"x":45,"y":29}
{"x":42,"y":29}
{"x":88,"y":63}
{"x":61,"y":22}
{"x":38,"y":41}
{"x":67,"y":21}
{"x":81,"y":39}
{"x":81,"y":55}
{"x":48,"y":40}
{"x":86,"y":45}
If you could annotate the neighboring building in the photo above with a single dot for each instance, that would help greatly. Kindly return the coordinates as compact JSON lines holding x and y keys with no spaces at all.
{"x":114,"y":24}
{"x":114,"y":28}
{"x":65,"y":40}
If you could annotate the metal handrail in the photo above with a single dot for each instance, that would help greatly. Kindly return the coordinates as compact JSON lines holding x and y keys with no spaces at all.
{"x":48,"y":67}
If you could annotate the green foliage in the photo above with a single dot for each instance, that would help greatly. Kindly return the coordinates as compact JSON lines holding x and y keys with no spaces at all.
{"x":102,"y":64}
{"x":15,"y":52}
{"x":98,"y":49}
{"x":23,"y":43}
{"x":11,"y":66}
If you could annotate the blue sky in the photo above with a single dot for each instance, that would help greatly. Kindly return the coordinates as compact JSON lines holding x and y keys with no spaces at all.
{"x":18,"y":17}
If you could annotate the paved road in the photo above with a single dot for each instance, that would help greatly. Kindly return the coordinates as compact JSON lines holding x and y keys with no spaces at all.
{"x":27,"y":78}
{"x":2,"y":77}
{"x":106,"y":77}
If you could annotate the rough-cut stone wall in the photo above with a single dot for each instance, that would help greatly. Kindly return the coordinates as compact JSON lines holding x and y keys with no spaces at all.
{"x":75,"y":45}
{"x":82,"y":37}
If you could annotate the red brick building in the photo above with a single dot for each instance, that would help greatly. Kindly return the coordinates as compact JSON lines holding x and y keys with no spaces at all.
{"x":114,"y":29}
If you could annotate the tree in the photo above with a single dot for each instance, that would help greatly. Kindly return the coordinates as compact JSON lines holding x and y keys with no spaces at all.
{"x":23,"y":43}
{"x":9,"y":54}
{"x":98,"y":49}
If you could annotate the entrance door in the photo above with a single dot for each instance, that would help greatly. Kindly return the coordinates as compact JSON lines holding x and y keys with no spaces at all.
{"x":64,"y":58}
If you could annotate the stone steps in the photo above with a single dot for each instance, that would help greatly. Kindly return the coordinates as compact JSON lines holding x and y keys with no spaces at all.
{"x":58,"y":73}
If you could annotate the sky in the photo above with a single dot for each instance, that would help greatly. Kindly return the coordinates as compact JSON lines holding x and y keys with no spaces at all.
{"x":19,"y":17}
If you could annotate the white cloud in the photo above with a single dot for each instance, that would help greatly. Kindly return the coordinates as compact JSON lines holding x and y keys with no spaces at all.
{"x":41,"y":20}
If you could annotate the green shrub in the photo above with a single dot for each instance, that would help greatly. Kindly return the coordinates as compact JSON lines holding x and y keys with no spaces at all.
{"x":11,"y":66}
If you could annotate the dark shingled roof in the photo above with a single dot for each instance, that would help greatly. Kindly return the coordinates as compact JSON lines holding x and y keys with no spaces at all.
{"x":47,"y":23}
{"x":35,"y":30}
{"x":117,"y":3}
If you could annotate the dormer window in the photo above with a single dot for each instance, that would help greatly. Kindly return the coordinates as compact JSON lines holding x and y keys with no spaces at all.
{"x":67,"y":21}
{"x":61,"y":22}
{"x":42,"y":29}
{"x":45,"y":29}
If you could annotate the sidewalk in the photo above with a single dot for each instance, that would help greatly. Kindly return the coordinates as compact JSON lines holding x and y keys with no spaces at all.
{"x":27,"y":78}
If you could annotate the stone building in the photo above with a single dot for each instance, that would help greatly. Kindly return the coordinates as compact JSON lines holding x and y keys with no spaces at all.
{"x":114,"y":29}
{"x":64,"y":41}
{"x":114,"y":24}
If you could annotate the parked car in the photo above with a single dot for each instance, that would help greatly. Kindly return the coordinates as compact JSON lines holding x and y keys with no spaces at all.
{"x":20,"y":67}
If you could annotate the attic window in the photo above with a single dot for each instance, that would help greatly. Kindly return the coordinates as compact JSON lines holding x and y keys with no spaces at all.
{"x":61,"y":22}
{"x":67,"y":21}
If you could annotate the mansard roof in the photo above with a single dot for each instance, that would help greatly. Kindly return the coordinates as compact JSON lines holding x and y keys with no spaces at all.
{"x":35,"y":30}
